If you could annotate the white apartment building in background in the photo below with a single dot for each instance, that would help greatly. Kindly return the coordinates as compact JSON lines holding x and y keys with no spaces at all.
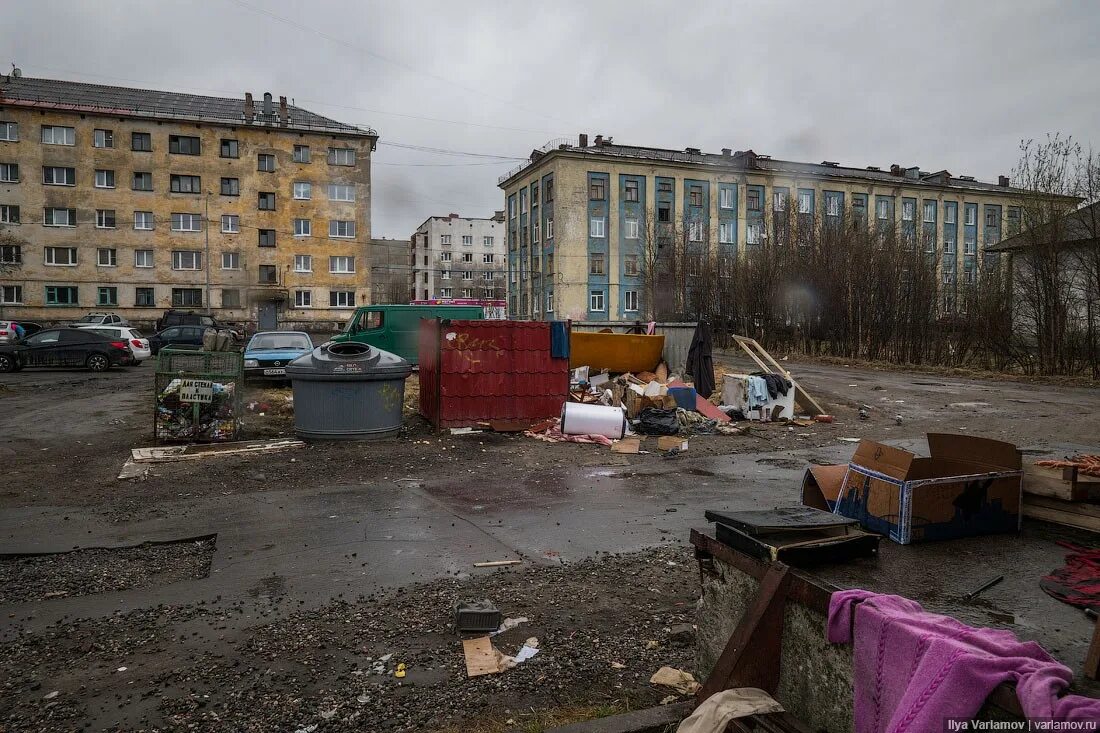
{"x":457,"y":257}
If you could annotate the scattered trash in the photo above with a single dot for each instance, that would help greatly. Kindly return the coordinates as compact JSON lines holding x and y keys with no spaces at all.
{"x":850,"y":440}
{"x":399,"y":673}
{"x":682,"y":634}
{"x":652,"y":644}
{"x":328,"y":714}
{"x":618,"y":665}
{"x":528,"y":650}
{"x":307,"y":729}
{"x":863,"y":413}
{"x":497,"y":563}
{"x":897,"y":419}
{"x":824,"y":418}
{"x":627,"y":445}
{"x":51,"y":695}
{"x":552,"y":434}
{"x":679,"y":680}
{"x":463,"y":431}
{"x":509,"y":623}
{"x":121,"y":669}
{"x":477,"y":616}
{"x":671,"y":442}
{"x":654,"y":421}
{"x":480,"y":659}
{"x":364,"y":698}
{"x":669,"y":699}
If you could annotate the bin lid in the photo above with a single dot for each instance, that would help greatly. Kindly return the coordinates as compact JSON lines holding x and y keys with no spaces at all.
{"x":349,"y":359}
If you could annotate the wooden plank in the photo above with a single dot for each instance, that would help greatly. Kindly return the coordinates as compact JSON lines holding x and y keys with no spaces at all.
{"x":1089,"y":510}
{"x":809,"y":404}
{"x":1058,"y":516}
{"x":1050,"y":482}
{"x":197,"y":452}
{"x":627,"y":445}
{"x":1092,"y":658}
{"x":497,"y":563}
{"x":752,"y":654}
{"x":480,"y":659}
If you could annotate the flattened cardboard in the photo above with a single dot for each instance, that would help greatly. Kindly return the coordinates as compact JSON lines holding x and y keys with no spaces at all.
{"x":627,"y":445}
{"x":479,"y":657}
{"x":671,"y":442}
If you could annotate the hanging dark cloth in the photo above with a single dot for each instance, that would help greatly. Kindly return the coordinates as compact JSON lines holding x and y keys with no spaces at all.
{"x":700,"y":363}
{"x":559,"y":340}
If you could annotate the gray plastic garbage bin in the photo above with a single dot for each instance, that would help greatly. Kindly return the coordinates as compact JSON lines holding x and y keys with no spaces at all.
{"x":348,"y":391}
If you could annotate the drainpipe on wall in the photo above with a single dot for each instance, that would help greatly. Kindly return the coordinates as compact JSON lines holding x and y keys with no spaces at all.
{"x":206,"y":255}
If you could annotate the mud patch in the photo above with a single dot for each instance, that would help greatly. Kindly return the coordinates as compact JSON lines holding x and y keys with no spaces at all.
{"x":782,"y":462}
{"x":26,"y":578}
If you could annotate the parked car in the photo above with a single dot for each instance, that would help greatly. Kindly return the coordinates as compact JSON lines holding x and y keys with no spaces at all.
{"x":65,"y":347}
{"x":268,"y":353}
{"x":178,"y":337}
{"x":191,"y":318}
{"x":100,"y":319}
{"x":139,"y":345}
{"x":7,"y":330}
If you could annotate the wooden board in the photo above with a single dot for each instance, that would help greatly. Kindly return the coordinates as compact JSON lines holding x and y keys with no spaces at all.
{"x":1061,"y":516}
{"x":627,"y":445}
{"x":198,"y":452}
{"x":766,"y":363}
{"x":480,"y":659}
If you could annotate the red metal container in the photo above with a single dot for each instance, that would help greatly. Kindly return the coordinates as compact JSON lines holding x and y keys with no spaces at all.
{"x":475,"y":371}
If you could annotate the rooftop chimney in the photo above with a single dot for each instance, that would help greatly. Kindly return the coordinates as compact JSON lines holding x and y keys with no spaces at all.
{"x":269,"y":110}
{"x":498,"y":215}
{"x":727,"y":152}
{"x":453,"y":216}
{"x":895,"y":169}
{"x":249,"y":108}
{"x":1002,"y":181}
{"x":582,"y":140}
{"x":599,"y":140}
{"x":282,"y":111}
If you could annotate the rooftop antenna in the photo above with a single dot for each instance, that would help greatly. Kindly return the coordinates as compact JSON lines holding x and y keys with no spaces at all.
{"x":16,"y":71}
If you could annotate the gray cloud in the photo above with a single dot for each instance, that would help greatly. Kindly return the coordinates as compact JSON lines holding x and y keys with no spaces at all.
{"x":937,"y":84}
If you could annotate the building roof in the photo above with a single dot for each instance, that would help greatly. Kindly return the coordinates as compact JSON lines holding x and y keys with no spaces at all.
{"x":109,"y":100}
{"x":750,"y":161}
{"x":1077,"y":227}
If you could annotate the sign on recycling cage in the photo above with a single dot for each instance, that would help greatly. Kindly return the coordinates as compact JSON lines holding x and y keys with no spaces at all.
{"x":197,"y":390}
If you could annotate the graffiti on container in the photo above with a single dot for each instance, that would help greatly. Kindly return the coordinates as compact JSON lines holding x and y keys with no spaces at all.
{"x":469,"y":347}
{"x":390,"y":395}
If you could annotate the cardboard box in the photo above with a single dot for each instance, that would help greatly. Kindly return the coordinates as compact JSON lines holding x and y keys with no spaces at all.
{"x":966,"y":486}
{"x":671,"y":442}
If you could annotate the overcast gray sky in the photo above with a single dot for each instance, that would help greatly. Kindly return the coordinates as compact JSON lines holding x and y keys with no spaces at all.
{"x":951,"y":84}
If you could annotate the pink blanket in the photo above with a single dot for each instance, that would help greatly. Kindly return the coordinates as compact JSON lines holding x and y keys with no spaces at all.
{"x":912,"y":669}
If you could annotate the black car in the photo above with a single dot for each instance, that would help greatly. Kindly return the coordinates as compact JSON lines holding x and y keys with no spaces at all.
{"x":65,"y":347}
{"x":178,"y":337}
{"x":185,"y":318}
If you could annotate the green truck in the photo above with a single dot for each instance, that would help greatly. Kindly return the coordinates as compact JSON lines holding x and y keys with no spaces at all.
{"x":396,"y":328}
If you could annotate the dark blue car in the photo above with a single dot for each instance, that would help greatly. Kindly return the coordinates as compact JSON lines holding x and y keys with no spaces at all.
{"x":268,"y":353}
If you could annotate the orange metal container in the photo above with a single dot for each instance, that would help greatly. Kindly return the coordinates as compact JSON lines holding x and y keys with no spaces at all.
{"x":615,"y":352}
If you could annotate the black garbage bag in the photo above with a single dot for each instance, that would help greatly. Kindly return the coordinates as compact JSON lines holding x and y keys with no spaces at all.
{"x":655,"y":421}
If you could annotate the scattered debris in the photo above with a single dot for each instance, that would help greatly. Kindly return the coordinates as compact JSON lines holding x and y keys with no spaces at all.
{"x":682,"y":634}
{"x":480,"y":659}
{"x":679,"y":680}
{"x":497,"y":563}
{"x":984,"y":586}
{"x":399,"y":673}
{"x":672,"y":442}
{"x":509,"y":623}
{"x":627,"y":445}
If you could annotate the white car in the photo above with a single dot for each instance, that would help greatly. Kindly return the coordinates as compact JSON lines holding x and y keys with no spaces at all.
{"x":95,"y":320}
{"x":138,"y":344}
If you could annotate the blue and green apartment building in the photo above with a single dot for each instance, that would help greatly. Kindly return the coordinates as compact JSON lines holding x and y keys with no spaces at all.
{"x":578,"y":214}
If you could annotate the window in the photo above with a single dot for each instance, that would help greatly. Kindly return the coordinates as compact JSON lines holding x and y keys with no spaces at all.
{"x":725,"y":233}
{"x":230,"y":149}
{"x":105,"y":218}
{"x":61,"y":295}
{"x":11,"y":254}
{"x":231,"y":224}
{"x":597,"y":190}
{"x":535,"y":232}
{"x":630,"y":264}
{"x":595,"y":300}
{"x":444,"y":275}
{"x":488,"y":241}
{"x":630,"y":300}
{"x":631,"y":190}
{"x":268,"y":274}
{"x":186,"y":223}
{"x":303,"y":227}
{"x":971,"y":214}
{"x":56,"y":135}
{"x":301,"y":153}
{"x":341,"y":228}
{"x":445,"y":292}
{"x":549,"y":230}
{"x":968,"y":277}
{"x":467,"y":240}
{"x":341,"y":264}
{"x":185,"y":184}
{"x":725,"y":198}
{"x":908,"y":210}
{"x":859,"y":205}
{"x":266,"y":201}
{"x":467,"y":275}
{"x":664,"y":212}
{"x":143,"y":258}
{"x":59,"y":218}
{"x":143,"y":181}
{"x":186,"y":260}
{"x":445,"y":240}
{"x":550,"y":301}
{"x":991,"y":216}
{"x":10,"y":294}
{"x":631,"y":228}
{"x":9,"y":173}
{"x":184,"y":297}
{"x":231,"y":187}
{"x":752,"y":234}
{"x":144,"y":298}
{"x":832,"y":205}
{"x":754,"y":199}
{"x":549,"y":186}
{"x":882,"y":209}
{"x":341,"y":192}
{"x":104,"y":179}
{"x":107,"y":256}
{"x":61,"y":256}
{"x":948,"y":277}
{"x":265,"y":162}
{"x":949,"y":213}
{"x":949,"y":243}
{"x":303,"y":298}
{"x":596,"y":227}
{"x":9,"y":214}
{"x":231,"y":298}
{"x":303,"y":191}
{"x":184,"y":145}
{"x":487,"y":276}
{"x":596,"y":264}
{"x":107,"y":295}
{"x":303,"y":263}
{"x":695,"y":231}
{"x":341,"y":298}
{"x":103,"y":138}
{"x":341,"y":156}
{"x":695,"y":195}
{"x":231,"y":261}
{"x":52,"y":176}
{"x":930,"y":211}
{"x":9,"y":131}
{"x":805,"y":202}
{"x":467,"y":256}
{"x":141,"y":142}
{"x":266,"y":237}
{"x":664,"y":186}
{"x":444,"y":256}
{"x":968,"y":245}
